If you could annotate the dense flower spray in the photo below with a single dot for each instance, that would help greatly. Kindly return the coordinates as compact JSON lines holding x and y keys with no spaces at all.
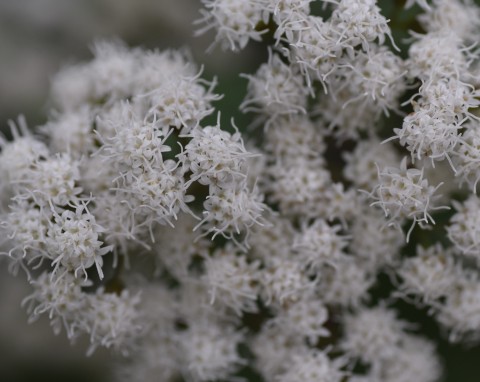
{"x":196,"y":254}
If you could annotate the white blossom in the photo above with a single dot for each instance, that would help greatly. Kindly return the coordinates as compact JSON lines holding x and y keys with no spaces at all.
{"x":430,"y":274}
{"x":405,"y":193}
{"x":112,"y":320}
{"x":17,"y":156}
{"x":320,"y":244}
{"x":235,"y":21}
{"x":361,"y":164}
{"x":182,"y":102}
{"x":416,"y":359}
{"x":53,"y":180}
{"x":285,"y":281}
{"x":372,"y":334}
{"x":63,"y":300}
{"x":210,"y":351}
{"x":73,"y":242}
{"x":346,"y":283}
{"x":462,"y":230}
{"x":232,"y":281}
{"x":198,"y":250}
{"x":71,"y":132}
{"x":276,"y":89}
{"x":455,"y":16}
{"x":359,"y":23}
{"x":306,"y":318}
{"x":215,"y":157}
{"x":313,"y":366}
{"x":232,"y":212}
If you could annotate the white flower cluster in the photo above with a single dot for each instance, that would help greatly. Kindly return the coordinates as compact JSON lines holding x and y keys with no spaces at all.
{"x":108,"y":176}
{"x":162,"y":236}
{"x":339,"y":239}
{"x":442,"y":124}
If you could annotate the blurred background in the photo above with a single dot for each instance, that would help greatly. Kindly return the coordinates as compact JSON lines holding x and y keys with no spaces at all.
{"x":37,"y":37}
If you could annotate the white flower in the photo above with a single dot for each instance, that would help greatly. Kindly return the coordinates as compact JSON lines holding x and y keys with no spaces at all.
{"x":461,"y":17}
{"x":157,"y":194}
{"x":235,"y":22}
{"x":285,"y":281}
{"x":299,"y":187}
{"x":63,"y":300}
{"x":71,"y":132}
{"x":415,"y":360}
{"x":26,"y":228}
{"x":157,"y":310}
{"x":112,"y":72}
{"x":136,"y":144}
{"x":460,"y":312}
{"x":463,"y":230}
{"x":430,"y":274}
{"x":122,"y":229}
{"x":405,"y":193}
{"x":376,"y":75}
{"x":361,"y":163}
{"x":210,"y":351}
{"x":151,"y":221}
{"x":429,"y":134}
{"x":314,"y":47}
{"x":273,"y":240}
{"x":359,"y":22}
{"x":231,"y":211}
{"x":193,"y":302}
{"x":276,"y":89}
{"x":215,"y":157}
{"x":112,"y":320}
{"x":436,"y":55}
{"x":176,"y":247}
{"x":372,"y":241}
{"x":305,"y":318}
{"x":422,"y":3}
{"x":287,"y":14}
{"x":340,"y":204}
{"x":158,"y":358}
{"x":273,"y":348}
{"x":372,"y":334}
{"x":73,"y":241}
{"x":182,"y":102}
{"x":156,"y":68}
{"x":17,"y":156}
{"x":449,"y":97}
{"x":71,"y":87}
{"x":346,"y":283}
{"x":53,"y":180}
{"x":320,"y":244}
{"x":98,"y":174}
{"x":346,"y":119}
{"x":292,"y":137}
{"x":232,"y":281}
{"x":313,"y":366}
{"x":467,"y":157}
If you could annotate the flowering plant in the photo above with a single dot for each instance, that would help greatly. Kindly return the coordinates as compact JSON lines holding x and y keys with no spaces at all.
{"x":198,"y":251}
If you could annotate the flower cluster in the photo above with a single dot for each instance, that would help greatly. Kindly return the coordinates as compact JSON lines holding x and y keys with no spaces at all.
{"x":162,"y":235}
{"x":107,"y":177}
